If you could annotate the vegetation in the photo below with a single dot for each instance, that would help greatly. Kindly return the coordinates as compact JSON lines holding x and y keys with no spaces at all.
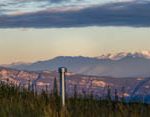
{"x":17,"y":102}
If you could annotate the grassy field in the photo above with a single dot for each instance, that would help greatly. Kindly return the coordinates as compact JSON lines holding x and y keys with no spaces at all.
{"x":16,"y":102}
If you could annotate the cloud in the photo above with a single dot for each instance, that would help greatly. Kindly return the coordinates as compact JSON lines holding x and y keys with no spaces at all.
{"x":133,"y":14}
{"x":12,"y":6}
{"x":54,"y":1}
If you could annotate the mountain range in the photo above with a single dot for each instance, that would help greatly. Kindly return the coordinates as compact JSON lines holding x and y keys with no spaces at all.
{"x":114,"y":65}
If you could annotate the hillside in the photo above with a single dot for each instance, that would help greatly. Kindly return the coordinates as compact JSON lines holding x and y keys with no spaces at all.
{"x":129,"y":87}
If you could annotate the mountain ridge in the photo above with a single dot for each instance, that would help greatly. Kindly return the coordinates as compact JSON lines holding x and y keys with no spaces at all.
{"x":126,"y":65}
{"x":98,"y":84}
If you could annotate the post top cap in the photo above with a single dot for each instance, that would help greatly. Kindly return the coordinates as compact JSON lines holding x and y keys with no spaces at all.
{"x":62,"y":69}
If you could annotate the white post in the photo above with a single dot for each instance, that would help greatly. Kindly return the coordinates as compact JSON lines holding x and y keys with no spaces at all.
{"x":62,"y":71}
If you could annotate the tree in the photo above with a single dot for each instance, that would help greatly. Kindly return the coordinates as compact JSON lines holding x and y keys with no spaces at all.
{"x":55,"y":88}
{"x":116,"y":95}
{"x":108,"y":93}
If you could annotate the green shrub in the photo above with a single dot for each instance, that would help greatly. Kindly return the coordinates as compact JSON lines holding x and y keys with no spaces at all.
{"x":23,"y":103}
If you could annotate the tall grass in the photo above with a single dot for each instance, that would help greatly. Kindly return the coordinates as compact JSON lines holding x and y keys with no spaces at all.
{"x":20,"y":102}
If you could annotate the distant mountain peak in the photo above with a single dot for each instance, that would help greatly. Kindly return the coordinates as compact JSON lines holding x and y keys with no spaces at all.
{"x":121,"y":55}
{"x":15,"y":64}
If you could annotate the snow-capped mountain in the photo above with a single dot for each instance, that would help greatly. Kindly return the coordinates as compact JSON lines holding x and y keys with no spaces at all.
{"x":118,"y":56}
{"x":119,"y":65}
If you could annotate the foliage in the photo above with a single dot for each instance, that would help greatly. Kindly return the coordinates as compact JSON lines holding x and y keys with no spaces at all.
{"x":20,"y":102}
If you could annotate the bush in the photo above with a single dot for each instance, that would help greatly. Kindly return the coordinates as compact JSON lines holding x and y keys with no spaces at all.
{"x":19,"y":102}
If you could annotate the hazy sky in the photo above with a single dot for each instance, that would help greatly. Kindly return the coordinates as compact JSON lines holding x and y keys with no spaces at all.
{"x":39,"y":44}
{"x":32,"y":30}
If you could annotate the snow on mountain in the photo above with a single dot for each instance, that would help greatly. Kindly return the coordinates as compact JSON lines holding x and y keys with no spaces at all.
{"x":144,"y":54}
{"x":113,"y":56}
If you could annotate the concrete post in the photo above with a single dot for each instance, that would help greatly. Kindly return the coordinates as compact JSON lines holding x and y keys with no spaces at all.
{"x":62,"y":71}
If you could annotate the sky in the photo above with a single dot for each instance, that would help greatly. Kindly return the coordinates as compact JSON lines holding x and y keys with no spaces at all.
{"x":32,"y":30}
